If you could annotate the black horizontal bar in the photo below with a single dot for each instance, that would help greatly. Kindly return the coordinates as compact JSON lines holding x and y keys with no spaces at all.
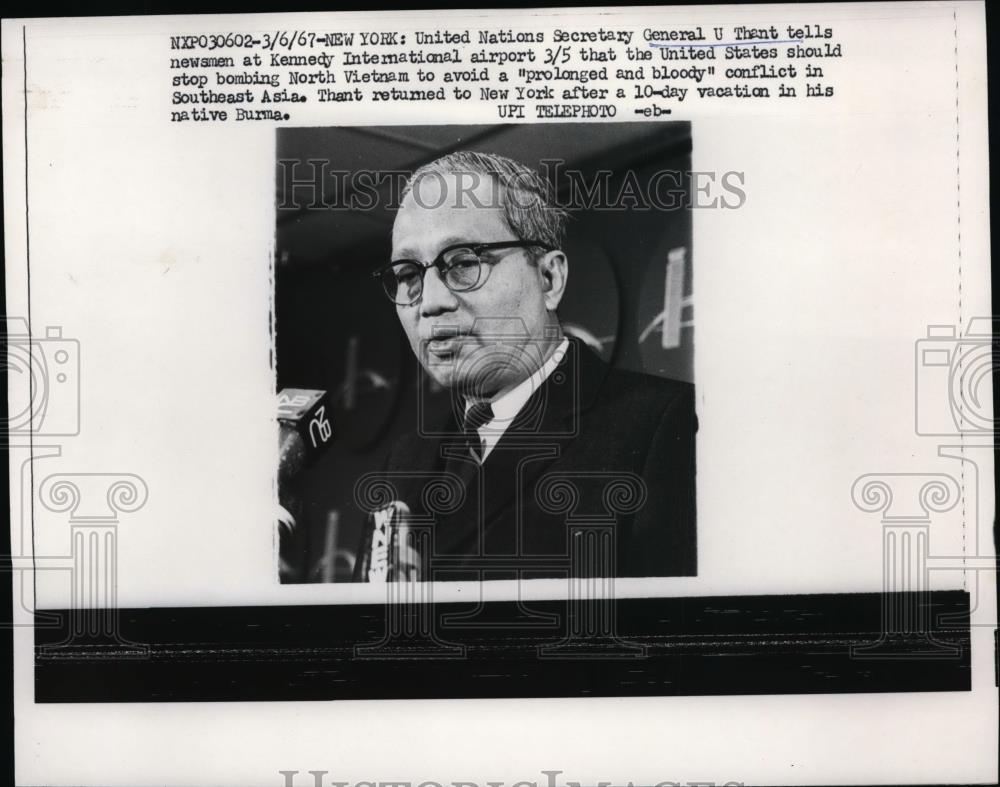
{"x":828,"y":643}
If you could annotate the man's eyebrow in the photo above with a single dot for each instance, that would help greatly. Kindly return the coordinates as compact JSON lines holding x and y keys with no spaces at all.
{"x":407,"y":253}
{"x":455,"y":240}
{"x":404,"y":254}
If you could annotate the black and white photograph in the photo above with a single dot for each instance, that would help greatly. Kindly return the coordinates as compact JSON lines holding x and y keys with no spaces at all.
{"x":477,"y":398}
{"x":486,"y":334}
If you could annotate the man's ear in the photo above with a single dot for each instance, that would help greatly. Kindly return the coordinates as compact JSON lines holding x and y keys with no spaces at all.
{"x":553,"y":269}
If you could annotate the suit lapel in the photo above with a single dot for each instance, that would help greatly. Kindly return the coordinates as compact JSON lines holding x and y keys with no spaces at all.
{"x":424,"y":462}
{"x":542,"y":431}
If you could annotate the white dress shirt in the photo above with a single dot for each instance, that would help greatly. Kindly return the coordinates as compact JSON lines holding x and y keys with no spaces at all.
{"x":508,"y":405}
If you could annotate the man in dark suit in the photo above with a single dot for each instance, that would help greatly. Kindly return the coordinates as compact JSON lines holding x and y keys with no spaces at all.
{"x":552,"y":463}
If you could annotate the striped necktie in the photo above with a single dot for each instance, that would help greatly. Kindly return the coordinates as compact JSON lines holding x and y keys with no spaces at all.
{"x":478,"y":415}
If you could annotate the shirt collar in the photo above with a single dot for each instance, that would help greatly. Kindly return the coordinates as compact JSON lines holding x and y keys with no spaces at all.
{"x":508,"y":405}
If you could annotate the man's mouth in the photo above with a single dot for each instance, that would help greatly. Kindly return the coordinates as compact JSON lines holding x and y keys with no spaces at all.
{"x":442,"y":347}
{"x":446,"y":341}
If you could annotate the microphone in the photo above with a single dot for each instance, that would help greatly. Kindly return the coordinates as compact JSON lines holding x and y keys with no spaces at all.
{"x":387,"y":553}
{"x":304,"y":432}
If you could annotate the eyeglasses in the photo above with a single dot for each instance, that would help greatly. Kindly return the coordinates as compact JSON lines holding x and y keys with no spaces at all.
{"x":461,"y":268}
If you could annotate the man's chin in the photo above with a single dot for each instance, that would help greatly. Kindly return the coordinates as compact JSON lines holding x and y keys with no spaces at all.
{"x":471,"y":369}
{"x":475,"y":387}
{"x":442,"y":380}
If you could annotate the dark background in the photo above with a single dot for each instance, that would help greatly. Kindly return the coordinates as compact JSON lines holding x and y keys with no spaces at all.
{"x":336,"y":330}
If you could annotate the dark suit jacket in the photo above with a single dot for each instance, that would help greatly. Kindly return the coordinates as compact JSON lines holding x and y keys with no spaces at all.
{"x":595,"y":451}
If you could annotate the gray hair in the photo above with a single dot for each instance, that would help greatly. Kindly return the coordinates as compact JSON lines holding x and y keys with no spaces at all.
{"x":527,"y":200}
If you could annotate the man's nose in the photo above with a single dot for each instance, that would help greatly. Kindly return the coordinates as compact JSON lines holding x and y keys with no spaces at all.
{"x":436,"y":297}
